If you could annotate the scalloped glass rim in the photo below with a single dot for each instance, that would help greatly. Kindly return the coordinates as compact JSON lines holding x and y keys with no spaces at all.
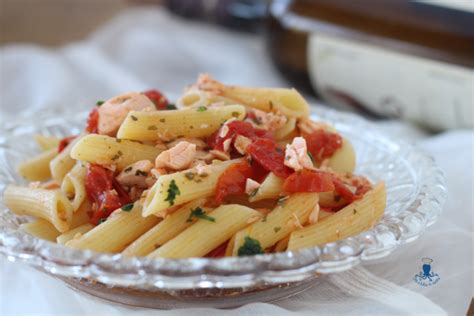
{"x":415,"y":198}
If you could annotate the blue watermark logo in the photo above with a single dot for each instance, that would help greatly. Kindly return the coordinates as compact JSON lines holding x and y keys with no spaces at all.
{"x":426,"y":276}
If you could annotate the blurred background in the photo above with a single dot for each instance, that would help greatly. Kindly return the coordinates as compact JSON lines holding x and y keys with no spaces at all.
{"x":411,"y":60}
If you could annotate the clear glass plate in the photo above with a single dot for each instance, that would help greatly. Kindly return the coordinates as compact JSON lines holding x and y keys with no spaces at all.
{"x":416,"y":192}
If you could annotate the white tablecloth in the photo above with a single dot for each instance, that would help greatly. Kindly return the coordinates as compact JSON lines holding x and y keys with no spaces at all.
{"x":145,"y":48}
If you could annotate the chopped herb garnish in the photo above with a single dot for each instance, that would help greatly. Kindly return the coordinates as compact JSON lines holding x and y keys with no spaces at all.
{"x":118,"y":140}
{"x":190,"y":175}
{"x":162,"y":120}
{"x":117,"y":155}
{"x":171,"y":107}
{"x":256,"y":120}
{"x":100,"y":102}
{"x":271,"y":105}
{"x":201,"y":108}
{"x":199,"y":213}
{"x":173,"y":191}
{"x":276,"y":229}
{"x":102,"y":220}
{"x":140,"y":173}
{"x":310,"y":156}
{"x":128,"y":169}
{"x":134,"y":117}
{"x":127,"y":207}
{"x":264,"y":219}
{"x":152,"y":128}
{"x":253,"y":193}
{"x":235,"y":114}
{"x":250,"y":247}
{"x":354,"y":211}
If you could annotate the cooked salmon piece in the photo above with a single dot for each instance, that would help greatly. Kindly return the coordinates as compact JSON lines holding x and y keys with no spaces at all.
{"x":179,"y":157}
{"x":296,"y":155}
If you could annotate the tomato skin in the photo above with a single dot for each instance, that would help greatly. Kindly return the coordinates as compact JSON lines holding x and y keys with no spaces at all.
{"x":157,"y":98}
{"x":64,"y":142}
{"x":218,"y":252}
{"x":99,"y":185}
{"x":232,"y":180}
{"x":267,"y":153}
{"x":341,"y":189}
{"x":322,"y":144}
{"x":236,"y":128}
{"x":308,"y":181}
{"x":93,"y":122}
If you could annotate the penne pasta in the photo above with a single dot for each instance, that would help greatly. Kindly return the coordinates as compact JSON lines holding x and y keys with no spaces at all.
{"x":47,"y":142}
{"x":282,"y":244}
{"x":270,"y":188}
{"x":279,"y":223}
{"x":190,"y":122}
{"x":105,"y":150}
{"x":117,"y":232}
{"x":81,"y":215}
{"x":343,"y":160}
{"x":165,"y":230}
{"x":50,"y":205}
{"x":37,"y":168}
{"x":286,"y":130}
{"x":351,"y":220}
{"x":63,"y":162}
{"x":204,"y":236}
{"x":181,"y":187}
{"x":42,"y":229}
{"x":73,"y":186}
{"x":74,"y":233}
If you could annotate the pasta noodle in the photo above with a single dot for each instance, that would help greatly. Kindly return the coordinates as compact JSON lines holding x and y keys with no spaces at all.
{"x":47,"y":142}
{"x":37,"y":168}
{"x":42,"y":229}
{"x":174,"y":124}
{"x":228,"y":219}
{"x":351,"y":220}
{"x":74,"y":233}
{"x":73,"y":185}
{"x":190,"y":184}
{"x":63,"y":162}
{"x":105,"y":150}
{"x":118,"y":231}
{"x":50,"y":205}
{"x":270,"y":188}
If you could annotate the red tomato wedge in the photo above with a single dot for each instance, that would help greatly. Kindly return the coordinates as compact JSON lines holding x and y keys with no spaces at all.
{"x":322,"y":144}
{"x":308,"y":181}
{"x":218,"y":252}
{"x":157,"y":98}
{"x":93,"y":122}
{"x":64,"y":142}
{"x":236,"y":128}
{"x":268,"y":154}
{"x":232,"y":180}
{"x":343,"y":190}
{"x":104,"y":191}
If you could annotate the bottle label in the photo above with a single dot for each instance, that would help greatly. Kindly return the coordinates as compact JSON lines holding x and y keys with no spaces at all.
{"x":434,"y":93}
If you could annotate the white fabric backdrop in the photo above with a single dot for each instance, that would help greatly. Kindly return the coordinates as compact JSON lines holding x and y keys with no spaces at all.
{"x":146,"y":48}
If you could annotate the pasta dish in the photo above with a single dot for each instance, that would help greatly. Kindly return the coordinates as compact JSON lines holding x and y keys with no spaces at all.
{"x":223,"y":171}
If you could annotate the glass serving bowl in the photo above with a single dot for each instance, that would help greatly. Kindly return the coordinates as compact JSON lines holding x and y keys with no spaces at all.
{"x":415,"y":192}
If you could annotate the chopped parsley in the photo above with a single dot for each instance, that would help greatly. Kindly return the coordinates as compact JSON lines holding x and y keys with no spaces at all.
{"x":152,"y":128}
{"x":250,"y":247}
{"x":127,"y":207}
{"x":253,"y":193}
{"x":128,"y":169}
{"x":162,"y":120}
{"x":173,"y":191}
{"x":171,"y":107}
{"x":271,"y":105}
{"x":354,"y":211}
{"x":190,"y":175}
{"x":235,"y":114}
{"x":199,"y":213}
{"x":310,"y":156}
{"x":276,"y":229}
{"x":201,"y":108}
{"x":101,"y":221}
{"x":117,"y":155}
{"x":100,"y":102}
{"x":134,"y":117}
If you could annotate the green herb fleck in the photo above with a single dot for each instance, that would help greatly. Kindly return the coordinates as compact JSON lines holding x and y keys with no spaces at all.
{"x":354,"y":211}
{"x":128,"y":169}
{"x":102,"y":220}
{"x":282,"y":199}
{"x":201,"y":108}
{"x":127,"y":207}
{"x":253,"y":193}
{"x":235,"y":114}
{"x":271,"y":105}
{"x":134,"y":117}
{"x":162,"y":120}
{"x":250,"y":247}
{"x":276,"y":229}
{"x":310,"y":156}
{"x":152,"y":128}
{"x":173,"y":191}
{"x":264,"y":219}
{"x":100,"y":102}
{"x":118,"y":140}
{"x":199,"y":213}
{"x":171,"y":107}
{"x":140,"y":173}
{"x":117,"y":155}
